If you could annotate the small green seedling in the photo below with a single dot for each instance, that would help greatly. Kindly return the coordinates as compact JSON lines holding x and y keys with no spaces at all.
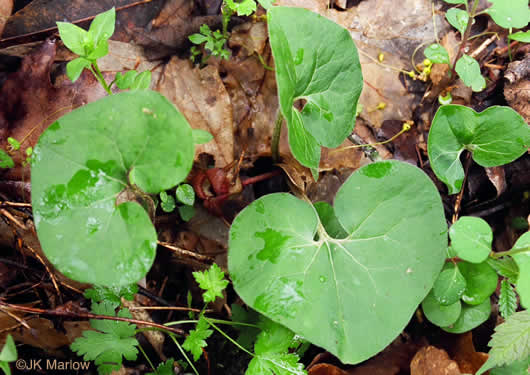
{"x":496,"y":136}
{"x":214,"y":41}
{"x":139,"y":144}
{"x":110,"y":341}
{"x":8,"y":354}
{"x":507,"y":14}
{"x":317,"y":64}
{"x":460,"y":298}
{"x":336,"y":291}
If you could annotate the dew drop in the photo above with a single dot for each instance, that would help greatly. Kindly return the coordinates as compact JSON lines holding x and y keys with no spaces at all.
{"x":322,"y":279}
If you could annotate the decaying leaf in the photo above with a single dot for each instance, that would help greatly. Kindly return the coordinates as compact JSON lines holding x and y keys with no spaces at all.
{"x":202,"y":98}
{"x":517,"y":89}
{"x":430,"y":360}
{"x":6,"y":6}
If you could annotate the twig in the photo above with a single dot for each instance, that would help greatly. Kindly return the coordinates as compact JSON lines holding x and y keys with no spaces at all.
{"x":52,"y":276}
{"x":458,"y":202}
{"x":186,"y":253}
{"x":83,"y":315}
{"x":15,"y":221}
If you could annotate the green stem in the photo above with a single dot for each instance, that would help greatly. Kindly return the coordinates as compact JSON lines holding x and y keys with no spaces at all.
{"x":219,"y":321}
{"x":465,"y":37}
{"x":146,"y":357}
{"x":275,"y":142}
{"x":228,"y":337}
{"x":99,"y":76}
{"x":183,"y":353}
{"x":510,"y":252}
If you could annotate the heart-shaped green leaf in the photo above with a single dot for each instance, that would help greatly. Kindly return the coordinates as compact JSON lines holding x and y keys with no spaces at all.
{"x":471,"y":239}
{"x":458,"y":18}
{"x":497,"y":136}
{"x":468,"y":70}
{"x":354,"y":295}
{"x":523,"y":261}
{"x":317,"y":63}
{"x":83,"y":162}
{"x":510,"y":14}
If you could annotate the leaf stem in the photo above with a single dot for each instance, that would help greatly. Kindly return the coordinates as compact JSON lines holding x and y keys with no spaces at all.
{"x":406,"y":127}
{"x":510,"y":252}
{"x":275,"y":142}
{"x":210,"y":322}
{"x":184,"y":353}
{"x":94,"y":68}
{"x":146,"y":357}
{"x":465,"y":37}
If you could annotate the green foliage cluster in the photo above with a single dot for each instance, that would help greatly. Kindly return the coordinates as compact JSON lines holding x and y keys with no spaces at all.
{"x":331,"y":274}
{"x":512,"y":14}
{"x":185,"y":196}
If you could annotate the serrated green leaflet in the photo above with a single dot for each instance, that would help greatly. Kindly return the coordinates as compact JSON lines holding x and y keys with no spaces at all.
{"x":481,"y":282}
{"x":516,"y":368}
{"x":468,"y":70}
{"x":507,"y":299}
{"x":496,"y":136}
{"x":510,"y":13}
{"x":438,"y":314}
{"x":471,"y":239}
{"x":135,"y":138}
{"x":316,"y":61}
{"x":449,"y":285}
{"x":458,"y":18}
{"x":523,"y":262}
{"x":352,"y":296}
{"x":510,"y":342}
{"x":470,"y":317}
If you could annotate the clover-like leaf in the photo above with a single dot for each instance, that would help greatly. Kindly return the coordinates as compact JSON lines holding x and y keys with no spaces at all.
{"x":75,"y":67}
{"x":510,"y":14}
{"x":521,"y":36}
{"x":496,"y":136}
{"x":353,"y":295}
{"x":449,"y":286}
{"x":523,"y":262}
{"x":458,"y":18}
{"x":481,"y":282}
{"x":439,"y":314}
{"x":469,"y":71}
{"x":470,"y":317}
{"x":317,"y":64}
{"x":185,"y":194}
{"x":437,"y":54}
{"x":471,"y":239}
{"x":138,"y":140}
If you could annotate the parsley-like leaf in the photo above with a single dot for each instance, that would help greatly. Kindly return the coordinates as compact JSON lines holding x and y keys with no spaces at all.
{"x":165,"y":368}
{"x":112,"y":340}
{"x":510,"y":342}
{"x":507,"y":299}
{"x":196,"y":340}
{"x":111,"y":294}
{"x":271,"y":352}
{"x":212,"y":281}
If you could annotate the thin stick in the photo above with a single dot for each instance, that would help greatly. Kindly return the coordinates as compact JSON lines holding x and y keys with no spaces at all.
{"x":186,"y":253}
{"x":52,"y":276}
{"x":83,"y":315}
{"x":458,"y":202}
{"x":275,"y":142}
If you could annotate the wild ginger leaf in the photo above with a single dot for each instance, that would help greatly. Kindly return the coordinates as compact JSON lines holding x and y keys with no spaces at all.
{"x":468,"y":70}
{"x":316,"y":62}
{"x":510,"y":14}
{"x":212,"y":281}
{"x":136,"y":138}
{"x":112,"y":340}
{"x":313,"y":286}
{"x":507,"y":299}
{"x":496,"y":136}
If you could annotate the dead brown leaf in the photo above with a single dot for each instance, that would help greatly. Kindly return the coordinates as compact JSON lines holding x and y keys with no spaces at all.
{"x":29,"y":102}
{"x":430,"y":360}
{"x":326,"y":369}
{"x":6,"y":6}
{"x":497,"y":178}
{"x":464,"y":353}
{"x":202,"y":98}
{"x":517,"y":89}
